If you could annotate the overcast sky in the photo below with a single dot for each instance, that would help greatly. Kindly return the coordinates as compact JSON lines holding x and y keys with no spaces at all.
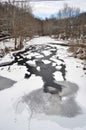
{"x":49,"y":7}
{"x":46,"y":8}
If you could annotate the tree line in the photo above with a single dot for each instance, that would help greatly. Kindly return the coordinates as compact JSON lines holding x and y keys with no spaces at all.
{"x":17,"y":20}
{"x":69,"y":22}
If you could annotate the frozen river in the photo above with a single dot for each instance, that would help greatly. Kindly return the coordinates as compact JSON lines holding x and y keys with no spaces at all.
{"x":43,"y":88}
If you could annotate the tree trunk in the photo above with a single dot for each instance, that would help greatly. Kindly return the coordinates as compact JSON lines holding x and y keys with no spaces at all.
{"x":15,"y":43}
{"x":21,"y":42}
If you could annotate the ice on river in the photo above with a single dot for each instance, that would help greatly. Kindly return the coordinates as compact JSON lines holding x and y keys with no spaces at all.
{"x":25,"y":106}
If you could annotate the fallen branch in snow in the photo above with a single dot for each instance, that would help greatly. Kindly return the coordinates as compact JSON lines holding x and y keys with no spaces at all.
{"x":4,"y":38}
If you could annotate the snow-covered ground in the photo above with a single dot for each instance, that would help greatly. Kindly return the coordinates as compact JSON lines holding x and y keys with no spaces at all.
{"x":24,"y":106}
{"x":9,"y":43}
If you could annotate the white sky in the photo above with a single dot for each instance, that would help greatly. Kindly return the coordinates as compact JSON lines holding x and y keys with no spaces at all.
{"x":47,"y":8}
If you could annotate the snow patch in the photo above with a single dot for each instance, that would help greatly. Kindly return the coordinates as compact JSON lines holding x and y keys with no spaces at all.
{"x":13,"y":72}
{"x":58,"y":76}
{"x":31,"y":62}
{"x":46,"y":61}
